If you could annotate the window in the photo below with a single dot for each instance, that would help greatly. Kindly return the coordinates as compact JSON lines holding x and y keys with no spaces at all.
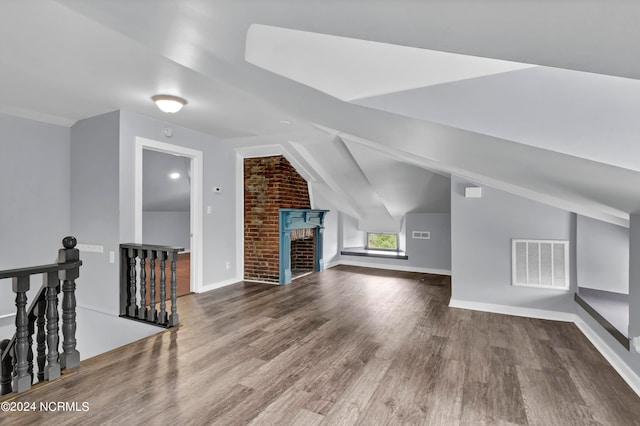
{"x":382,"y":241}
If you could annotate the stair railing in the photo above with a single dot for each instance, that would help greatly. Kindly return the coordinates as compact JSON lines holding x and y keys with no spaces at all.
{"x":16,"y":367}
{"x":134,"y":289}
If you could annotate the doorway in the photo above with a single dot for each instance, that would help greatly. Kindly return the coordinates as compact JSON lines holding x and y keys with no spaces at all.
{"x":168,"y":200}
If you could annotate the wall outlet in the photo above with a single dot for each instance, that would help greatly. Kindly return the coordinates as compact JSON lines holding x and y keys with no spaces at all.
{"x":112,"y":257}
{"x":227,"y":264}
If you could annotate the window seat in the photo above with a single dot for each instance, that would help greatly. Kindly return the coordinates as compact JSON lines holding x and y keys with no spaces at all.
{"x":362,"y":251}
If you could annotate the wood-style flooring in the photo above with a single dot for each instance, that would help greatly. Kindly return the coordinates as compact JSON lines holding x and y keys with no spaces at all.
{"x":342,"y":347}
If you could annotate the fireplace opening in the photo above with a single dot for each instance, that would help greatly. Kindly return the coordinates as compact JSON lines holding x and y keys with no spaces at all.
{"x":303,"y":248}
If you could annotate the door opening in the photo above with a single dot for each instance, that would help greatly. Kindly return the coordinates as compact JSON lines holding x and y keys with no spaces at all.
{"x":168,"y":200}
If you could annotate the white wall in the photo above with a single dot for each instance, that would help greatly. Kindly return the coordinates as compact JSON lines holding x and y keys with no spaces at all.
{"x":481,"y":233}
{"x":34,"y":188}
{"x":351,"y":235}
{"x":330,"y":239}
{"x":602,"y":255}
{"x":166,"y":228}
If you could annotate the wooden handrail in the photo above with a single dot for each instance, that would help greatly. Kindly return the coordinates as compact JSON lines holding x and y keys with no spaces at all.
{"x":42,"y":269}
{"x":16,"y":359}
{"x":152,"y":247}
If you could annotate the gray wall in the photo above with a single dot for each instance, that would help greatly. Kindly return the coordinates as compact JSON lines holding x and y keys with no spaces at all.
{"x":34,"y":188}
{"x":94,"y":208}
{"x":166,"y":228}
{"x":219,"y":234}
{"x":481,"y":233}
{"x":634,"y":276}
{"x":432,"y":255}
{"x":602,"y":255}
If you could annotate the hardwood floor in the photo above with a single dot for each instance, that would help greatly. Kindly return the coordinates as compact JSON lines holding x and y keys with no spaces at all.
{"x":345,"y":346}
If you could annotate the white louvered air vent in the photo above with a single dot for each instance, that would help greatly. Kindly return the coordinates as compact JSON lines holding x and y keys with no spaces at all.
{"x":540,"y":263}
{"x":421,"y":235}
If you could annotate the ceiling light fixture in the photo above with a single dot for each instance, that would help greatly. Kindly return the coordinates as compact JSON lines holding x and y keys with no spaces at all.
{"x":169,"y":103}
{"x":174,"y":175}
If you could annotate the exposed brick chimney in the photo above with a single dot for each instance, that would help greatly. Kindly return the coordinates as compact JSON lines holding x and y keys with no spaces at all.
{"x":270,"y":183}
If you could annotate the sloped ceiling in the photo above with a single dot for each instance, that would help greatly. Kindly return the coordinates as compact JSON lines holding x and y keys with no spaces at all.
{"x":533,"y":97}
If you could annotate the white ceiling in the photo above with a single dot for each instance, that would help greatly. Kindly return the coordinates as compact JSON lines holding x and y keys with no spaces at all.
{"x":160,"y":192}
{"x":562,"y":132}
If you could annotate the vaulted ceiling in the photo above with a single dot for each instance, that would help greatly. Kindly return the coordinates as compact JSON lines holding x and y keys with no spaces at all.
{"x":375,"y":102}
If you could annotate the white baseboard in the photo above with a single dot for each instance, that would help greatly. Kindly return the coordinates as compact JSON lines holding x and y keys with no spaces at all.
{"x":261,"y":282}
{"x":331,"y":265}
{"x":618,"y":364}
{"x":390,"y":267}
{"x":219,"y":284}
{"x":513,"y":310}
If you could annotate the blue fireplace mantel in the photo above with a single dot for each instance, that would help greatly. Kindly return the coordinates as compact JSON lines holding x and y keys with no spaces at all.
{"x":291,"y":219}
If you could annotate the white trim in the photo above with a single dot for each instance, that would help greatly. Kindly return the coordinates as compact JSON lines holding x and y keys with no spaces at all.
{"x":513,"y":310}
{"x":196,"y":219}
{"x":391,"y":267}
{"x":263,"y":282}
{"x":7,"y":316}
{"x":618,"y":364}
{"x":239,"y":215}
{"x":219,"y":284}
{"x":331,"y":265}
{"x":311,"y":198}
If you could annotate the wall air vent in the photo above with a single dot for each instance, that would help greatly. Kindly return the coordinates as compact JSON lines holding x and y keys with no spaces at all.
{"x":540,"y":263}
{"x":421,"y":235}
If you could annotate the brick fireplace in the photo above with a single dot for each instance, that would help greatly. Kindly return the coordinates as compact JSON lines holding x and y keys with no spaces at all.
{"x":270,"y":183}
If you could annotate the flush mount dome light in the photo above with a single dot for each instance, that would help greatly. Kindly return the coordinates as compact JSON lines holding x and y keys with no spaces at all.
{"x":174,"y":175}
{"x":169,"y":103}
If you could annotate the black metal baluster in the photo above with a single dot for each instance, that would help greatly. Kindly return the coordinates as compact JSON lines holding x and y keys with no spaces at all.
{"x":6,"y":369}
{"x":41,"y":337}
{"x":70,"y":357}
{"x":21,"y":379}
{"x":162,"y":316}
{"x":142,"y":312}
{"x":31,"y":330}
{"x":52,"y":369}
{"x":173,"y":318}
{"x":152,"y":315}
{"x":133,"y":304}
